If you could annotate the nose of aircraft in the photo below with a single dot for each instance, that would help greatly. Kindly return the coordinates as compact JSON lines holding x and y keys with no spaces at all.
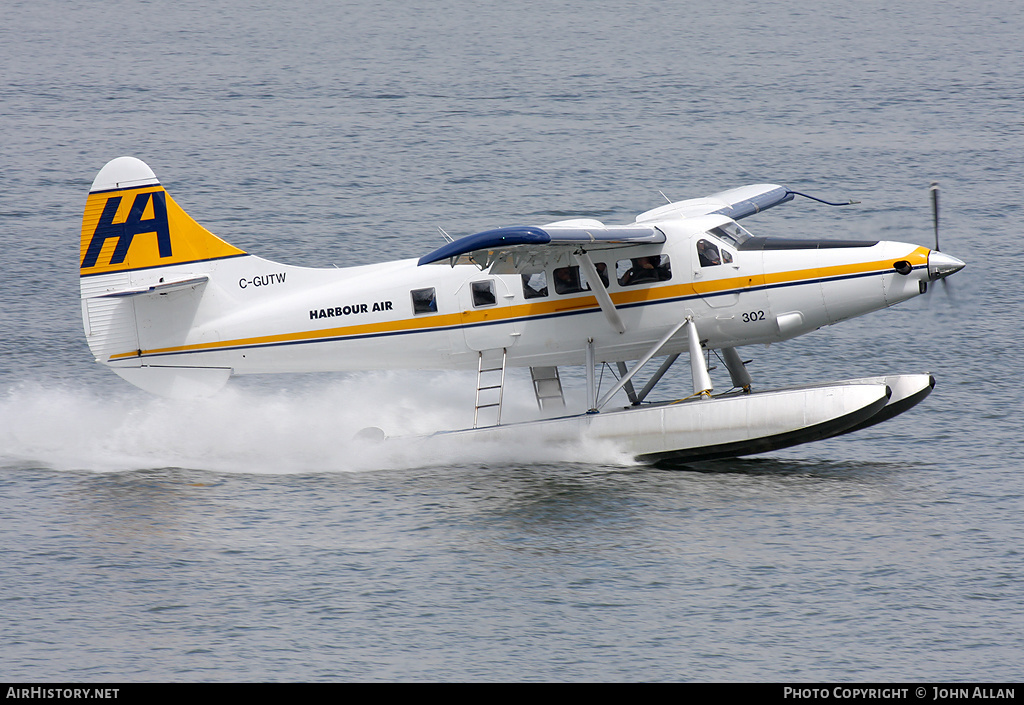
{"x":941,"y":265}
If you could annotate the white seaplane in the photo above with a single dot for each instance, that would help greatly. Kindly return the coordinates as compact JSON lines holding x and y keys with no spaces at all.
{"x":175,"y":310}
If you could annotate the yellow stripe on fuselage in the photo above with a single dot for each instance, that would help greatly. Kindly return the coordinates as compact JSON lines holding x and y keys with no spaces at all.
{"x":916,"y":258}
{"x":523,"y":312}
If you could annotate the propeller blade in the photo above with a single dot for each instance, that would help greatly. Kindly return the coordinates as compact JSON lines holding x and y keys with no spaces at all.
{"x":949,"y":290}
{"x":933,"y":188}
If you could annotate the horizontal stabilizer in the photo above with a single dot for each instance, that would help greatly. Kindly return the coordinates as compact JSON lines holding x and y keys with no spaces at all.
{"x":164,"y":287}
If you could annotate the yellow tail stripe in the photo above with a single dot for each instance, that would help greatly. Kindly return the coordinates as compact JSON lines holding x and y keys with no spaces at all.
{"x":140,"y":228}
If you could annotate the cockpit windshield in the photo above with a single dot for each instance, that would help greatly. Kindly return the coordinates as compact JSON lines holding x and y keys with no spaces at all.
{"x":732,"y":233}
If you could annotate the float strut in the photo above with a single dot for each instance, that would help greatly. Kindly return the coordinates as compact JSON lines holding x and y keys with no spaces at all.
{"x":591,"y":382}
{"x":737,"y":370}
{"x":656,"y":377}
{"x":640,"y":363}
{"x":701,"y":378}
{"x":628,"y":388}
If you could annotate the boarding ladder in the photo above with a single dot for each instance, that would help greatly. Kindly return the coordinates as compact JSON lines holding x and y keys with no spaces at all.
{"x":547,"y":386}
{"x":490,"y":370}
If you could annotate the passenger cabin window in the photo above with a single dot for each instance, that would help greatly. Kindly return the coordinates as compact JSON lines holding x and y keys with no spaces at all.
{"x":570,"y":280}
{"x":602,"y":271}
{"x":643,"y":270}
{"x":483,"y":293}
{"x":424,"y":301}
{"x":567,"y":280}
{"x":535,"y":285}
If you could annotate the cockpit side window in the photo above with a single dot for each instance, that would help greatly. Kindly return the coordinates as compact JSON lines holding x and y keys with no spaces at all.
{"x":643,"y":270}
{"x":708,"y":254}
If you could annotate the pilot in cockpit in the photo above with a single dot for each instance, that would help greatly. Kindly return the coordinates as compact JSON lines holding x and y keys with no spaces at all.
{"x":707,"y":254}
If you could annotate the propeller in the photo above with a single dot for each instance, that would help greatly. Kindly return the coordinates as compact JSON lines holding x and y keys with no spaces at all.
{"x":940,"y":265}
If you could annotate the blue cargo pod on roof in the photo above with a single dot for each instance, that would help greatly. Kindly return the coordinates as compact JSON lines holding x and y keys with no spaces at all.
{"x":506,"y":238}
{"x":489,"y":240}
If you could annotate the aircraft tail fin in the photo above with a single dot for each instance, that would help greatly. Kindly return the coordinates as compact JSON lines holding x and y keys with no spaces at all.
{"x":131,"y":223}
{"x":144,"y":264}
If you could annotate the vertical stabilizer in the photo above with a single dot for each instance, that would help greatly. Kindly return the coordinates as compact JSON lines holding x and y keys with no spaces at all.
{"x":131,"y":223}
{"x":136,"y":242}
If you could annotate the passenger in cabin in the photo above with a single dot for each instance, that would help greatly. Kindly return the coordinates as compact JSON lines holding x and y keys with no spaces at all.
{"x":644,"y":269}
{"x":664,"y":268}
{"x":567,"y":280}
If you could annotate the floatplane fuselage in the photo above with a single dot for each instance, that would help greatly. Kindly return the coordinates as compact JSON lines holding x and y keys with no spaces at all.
{"x":176,"y":310}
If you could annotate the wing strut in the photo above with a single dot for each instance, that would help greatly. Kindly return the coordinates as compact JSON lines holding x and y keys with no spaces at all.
{"x":598,"y":287}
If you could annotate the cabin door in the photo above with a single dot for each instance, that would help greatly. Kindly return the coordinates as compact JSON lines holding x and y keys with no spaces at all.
{"x":731,"y":283}
{"x":487,"y":313}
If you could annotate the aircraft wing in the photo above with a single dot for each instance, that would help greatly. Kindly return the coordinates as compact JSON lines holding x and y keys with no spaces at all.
{"x":528,"y":244}
{"x":520,"y":243}
{"x":735,"y":203}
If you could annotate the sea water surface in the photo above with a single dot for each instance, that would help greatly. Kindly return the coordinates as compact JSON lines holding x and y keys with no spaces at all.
{"x":247,"y":537}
